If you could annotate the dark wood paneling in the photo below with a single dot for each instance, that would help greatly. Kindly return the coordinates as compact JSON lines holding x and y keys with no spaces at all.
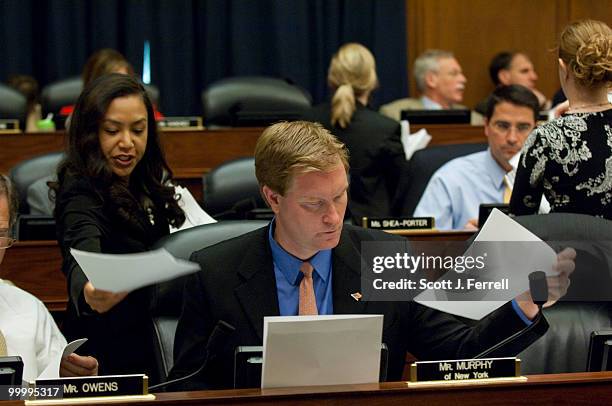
{"x":35,"y":266}
{"x":475,"y":30}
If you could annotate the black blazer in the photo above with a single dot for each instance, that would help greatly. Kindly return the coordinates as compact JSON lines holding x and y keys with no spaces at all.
{"x":237,"y":285}
{"x":121,"y":339}
{"x":376,"y":157}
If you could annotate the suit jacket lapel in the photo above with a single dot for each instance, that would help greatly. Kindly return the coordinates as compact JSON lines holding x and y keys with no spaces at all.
{"x":257,"y":295}
{"x":346,"y":277}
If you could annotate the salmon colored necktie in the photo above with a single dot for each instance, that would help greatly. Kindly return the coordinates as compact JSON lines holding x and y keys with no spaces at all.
{"x":308,"y":302}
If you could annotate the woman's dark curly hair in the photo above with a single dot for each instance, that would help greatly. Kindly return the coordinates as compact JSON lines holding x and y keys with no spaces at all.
{"x":84,"y":157}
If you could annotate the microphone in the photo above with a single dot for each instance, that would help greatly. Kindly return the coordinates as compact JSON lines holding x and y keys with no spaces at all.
{"x":538,"y":286}
{"x":215,"y":343}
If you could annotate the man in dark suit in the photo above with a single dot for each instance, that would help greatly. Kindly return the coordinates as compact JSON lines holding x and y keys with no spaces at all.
{"x":302,"y":170}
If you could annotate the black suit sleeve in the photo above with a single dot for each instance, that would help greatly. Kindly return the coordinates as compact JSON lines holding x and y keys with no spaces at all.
{"x":435,"y":335}
{"x":192,"y":332}
{"x":79,"y":217}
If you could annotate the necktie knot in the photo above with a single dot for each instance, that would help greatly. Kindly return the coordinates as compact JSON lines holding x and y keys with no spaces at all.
{"x":306,"y":269}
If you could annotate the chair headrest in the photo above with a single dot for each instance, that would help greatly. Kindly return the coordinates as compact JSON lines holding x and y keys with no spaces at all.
{"x":228,"y":100}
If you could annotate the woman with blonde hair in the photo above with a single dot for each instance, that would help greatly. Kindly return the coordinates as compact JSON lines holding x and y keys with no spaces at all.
{"x":568,"y":159}
{"x":373,"y":140}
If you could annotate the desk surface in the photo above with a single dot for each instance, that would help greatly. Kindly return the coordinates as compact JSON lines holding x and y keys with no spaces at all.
{"x":556,"y":389}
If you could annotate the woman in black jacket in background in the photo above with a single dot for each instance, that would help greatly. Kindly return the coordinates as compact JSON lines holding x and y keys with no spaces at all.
{"x":112,"y":196}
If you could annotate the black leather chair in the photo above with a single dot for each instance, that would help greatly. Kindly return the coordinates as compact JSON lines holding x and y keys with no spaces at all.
{"x":27,"y":172}
{"x":231,"y":190}
{"x":61,"y":93}
{"x":253,"y":101}
{"x":565,"y":346}
{"x":13,"y":105}
{"x":167,"y":297}
{"x":423,"y":164}
{"x":65,"y":92}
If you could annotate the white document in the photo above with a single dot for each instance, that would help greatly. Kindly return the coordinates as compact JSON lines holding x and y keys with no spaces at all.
{"x":498,"y":227}
{"x":194,"y":214}
{"x":413,"y":142}
{"x":53,"y":368}
{"x":126,"y":272}
{"x":321,"y":350}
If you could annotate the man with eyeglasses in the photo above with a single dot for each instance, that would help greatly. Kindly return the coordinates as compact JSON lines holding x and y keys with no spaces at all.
{"x":26,"y":327}
{"x":456,"y":190}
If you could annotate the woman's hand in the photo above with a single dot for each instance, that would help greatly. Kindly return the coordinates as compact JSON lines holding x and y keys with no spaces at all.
{"x":101,"y":300}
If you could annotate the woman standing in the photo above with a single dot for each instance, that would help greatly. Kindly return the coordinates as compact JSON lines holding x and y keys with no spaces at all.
{"x":112,"y":196}
{"x":375,"y":151}
{"x":569,"y":160}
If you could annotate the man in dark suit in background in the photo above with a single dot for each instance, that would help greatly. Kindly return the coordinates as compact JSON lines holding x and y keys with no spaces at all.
{"x":302,"y":170}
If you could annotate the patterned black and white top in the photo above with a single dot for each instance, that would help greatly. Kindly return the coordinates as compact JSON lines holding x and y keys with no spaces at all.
{"x":569,"y":160}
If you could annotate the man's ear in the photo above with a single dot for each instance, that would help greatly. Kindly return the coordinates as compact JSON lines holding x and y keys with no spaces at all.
{"x":271,"y":197}
{"x":431,"y":79}
{"x":486,"y":126}
{"x":504,"y":77}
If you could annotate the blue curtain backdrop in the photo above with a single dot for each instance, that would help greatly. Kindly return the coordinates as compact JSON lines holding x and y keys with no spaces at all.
{"x":194,"y":43}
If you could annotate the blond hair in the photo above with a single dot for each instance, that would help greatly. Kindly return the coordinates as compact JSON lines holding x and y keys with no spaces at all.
{"x":586,"y":48}
{"x":352,"y":72}
{"x":288,"y":148}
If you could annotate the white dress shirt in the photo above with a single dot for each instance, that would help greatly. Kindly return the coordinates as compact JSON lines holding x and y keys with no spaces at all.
{"x":29,"y":329}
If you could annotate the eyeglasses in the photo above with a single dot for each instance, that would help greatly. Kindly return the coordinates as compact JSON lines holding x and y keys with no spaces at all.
{"x":6,"y":242}
{"x":505,"y":127}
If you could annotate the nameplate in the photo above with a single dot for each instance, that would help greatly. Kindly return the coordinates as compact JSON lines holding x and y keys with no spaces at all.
{"x":180,"y":123}
{"x":9,"y":126}
{"x":465,"y":369}
{"x":409,"y":223}
{"x":100,"y":386}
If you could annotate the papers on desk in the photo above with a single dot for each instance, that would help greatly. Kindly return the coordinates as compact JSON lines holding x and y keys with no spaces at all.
{"x":126,"y":272}
{"x":321,"y":350}
{"x":413,"y":142}
{"x":53,"y":367}
{"x":498,"y":228}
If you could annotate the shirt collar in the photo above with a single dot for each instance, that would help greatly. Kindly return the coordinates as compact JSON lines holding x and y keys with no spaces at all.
{"x":289,"y":265}
{"x":495,"y":172}
{"x":429,"y":104}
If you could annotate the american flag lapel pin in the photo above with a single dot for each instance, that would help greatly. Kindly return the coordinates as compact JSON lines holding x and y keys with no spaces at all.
{"x":357,"y":296}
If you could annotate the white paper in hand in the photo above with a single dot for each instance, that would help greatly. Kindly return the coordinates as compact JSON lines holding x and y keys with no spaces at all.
{"x":415,"y":142}
{"x":53,"y":367}
{"x":321,"y":350}
{"x":126,"y":272}
{"x":194,"y":214}
{"x":500,"y":228}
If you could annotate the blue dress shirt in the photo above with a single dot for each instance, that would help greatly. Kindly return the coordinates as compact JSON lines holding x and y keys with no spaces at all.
{"x":456,"y":190}
{"x":288,"y":278}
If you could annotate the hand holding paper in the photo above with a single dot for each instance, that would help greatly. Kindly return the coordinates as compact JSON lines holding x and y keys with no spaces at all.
{"x":54,"y":367}
{"x":558,"y":282}
{"x":117,"y":273}
{"x":101,"y":300}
